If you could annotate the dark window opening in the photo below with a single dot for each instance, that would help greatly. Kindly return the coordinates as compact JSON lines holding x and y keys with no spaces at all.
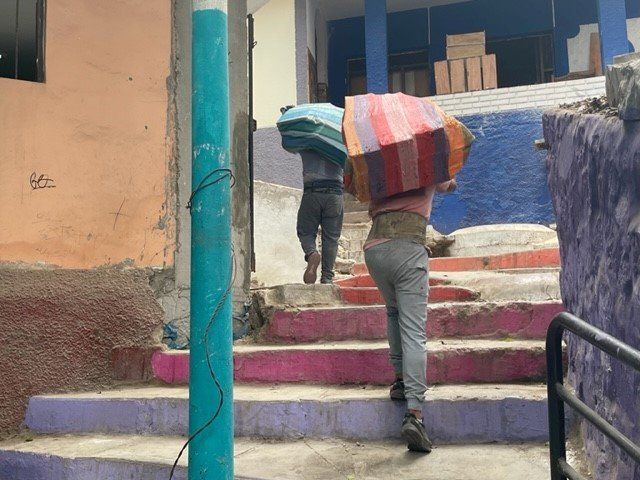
{"x":408,"y":73}
{"x":22,"y":39}
{"x":524,"y":60}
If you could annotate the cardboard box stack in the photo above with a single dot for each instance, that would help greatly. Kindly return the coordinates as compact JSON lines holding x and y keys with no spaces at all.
{"x":467,"y":68}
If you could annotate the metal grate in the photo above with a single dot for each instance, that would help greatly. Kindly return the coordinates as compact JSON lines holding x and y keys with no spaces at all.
{"x":559,"y":394}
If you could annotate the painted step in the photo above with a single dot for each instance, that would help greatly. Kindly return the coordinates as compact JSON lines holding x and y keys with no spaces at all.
{"x":453,"y":414}
{"x":518,"y":320}
{"x":438,"y":294}
{"x":106,"y":457}
{"x":367,"y":281}
{"x":544,"y":258}
{"x":451,"y":361}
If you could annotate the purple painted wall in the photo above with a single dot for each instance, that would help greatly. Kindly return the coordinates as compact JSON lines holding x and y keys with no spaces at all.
{"x":594,"y":179}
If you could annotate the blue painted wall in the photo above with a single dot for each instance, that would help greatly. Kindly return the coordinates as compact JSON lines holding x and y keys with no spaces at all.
{"x":499,"y":18}
{"x":504,"y":180}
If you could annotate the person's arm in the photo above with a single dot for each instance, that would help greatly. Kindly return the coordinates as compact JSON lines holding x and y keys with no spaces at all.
{"x":447,"y":187}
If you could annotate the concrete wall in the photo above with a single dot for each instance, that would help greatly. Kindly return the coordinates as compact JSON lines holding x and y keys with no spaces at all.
{"x":504,"y":178}
{"x":279,"y":258}
{"x":274,"y":61}
{"x":239,"y":119}
{"x":272,"y":163}
{"x":98,"y":128}
{"x":61,"y":329}
{"x":594,"y":178}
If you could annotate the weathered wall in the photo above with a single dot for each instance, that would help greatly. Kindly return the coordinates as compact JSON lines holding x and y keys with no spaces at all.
{"x":594,"y":178}
{"x":504,"y":180}
{"x":239,"y":125}
{"x":59,"y":329}
{"x":272,"y":163}
{"x":279,"y":258}
{"x":98,"y":129}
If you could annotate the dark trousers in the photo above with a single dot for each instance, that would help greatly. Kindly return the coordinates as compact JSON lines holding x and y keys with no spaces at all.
{"x":326,"y":210}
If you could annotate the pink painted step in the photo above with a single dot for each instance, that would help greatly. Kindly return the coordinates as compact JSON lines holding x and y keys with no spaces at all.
{"x":519,"y":320}
{"x":451,"y":362}
{"x":439,"y":294}
{"x":545,"y":258}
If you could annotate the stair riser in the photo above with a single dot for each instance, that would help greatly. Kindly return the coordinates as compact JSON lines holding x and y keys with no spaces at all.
{"x":546,"y":258}
{"x":338,"y":367}
{"x":514,"y":320}
{"x":461,"y":421}
{"x":439,"y":294}
{"x":367,"y":281}
{"x":18,"y":466}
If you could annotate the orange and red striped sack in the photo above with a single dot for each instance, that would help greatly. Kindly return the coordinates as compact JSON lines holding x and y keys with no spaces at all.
{"x":397,"y":143}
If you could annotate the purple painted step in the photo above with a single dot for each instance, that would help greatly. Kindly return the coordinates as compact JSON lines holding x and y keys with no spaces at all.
{"x":453,"y":361}
{"x":519,"y":320}
{"x":453,"y":414}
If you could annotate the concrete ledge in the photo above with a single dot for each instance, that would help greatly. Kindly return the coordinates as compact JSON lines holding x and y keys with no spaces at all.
{"x":450,"y":362}
{"x":104,"y":457}
{"x":472,"y":320}
{"x":454,"y":414}
{"x":498,"y":239}
{"x":543,"y":258}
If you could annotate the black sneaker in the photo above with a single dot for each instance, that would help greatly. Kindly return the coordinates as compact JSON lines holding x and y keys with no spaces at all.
{"x":414,"y":433}
{"x":397,"y":391}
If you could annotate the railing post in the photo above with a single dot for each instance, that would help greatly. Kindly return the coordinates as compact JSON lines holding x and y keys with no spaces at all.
{"x":555,"y":373}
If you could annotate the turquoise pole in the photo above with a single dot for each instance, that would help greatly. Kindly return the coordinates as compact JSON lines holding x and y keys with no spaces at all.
{"x":211,"y":451}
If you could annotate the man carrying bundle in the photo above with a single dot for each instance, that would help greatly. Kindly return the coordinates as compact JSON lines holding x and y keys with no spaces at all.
{"x":322,"y":206}
{"x":396,"y":256}
{"x":402,"y":150}
{"x":315,"y":132}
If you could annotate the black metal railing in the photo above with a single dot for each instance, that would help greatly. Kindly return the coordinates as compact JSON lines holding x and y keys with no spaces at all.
{"x":559,"y":394}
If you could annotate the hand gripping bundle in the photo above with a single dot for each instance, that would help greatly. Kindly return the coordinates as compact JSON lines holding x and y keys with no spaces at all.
{"x":397,"y":143}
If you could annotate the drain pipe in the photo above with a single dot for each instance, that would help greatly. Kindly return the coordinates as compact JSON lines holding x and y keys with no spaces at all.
{"x":211,"y":360}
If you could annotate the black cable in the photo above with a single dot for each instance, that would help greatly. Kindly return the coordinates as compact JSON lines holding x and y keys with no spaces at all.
{"x":212,"y":319}
{"x":202,"y":185}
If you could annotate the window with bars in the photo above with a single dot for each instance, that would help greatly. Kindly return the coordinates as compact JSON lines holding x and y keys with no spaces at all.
{"x":22,"y":39}
{"x":408,"y":73}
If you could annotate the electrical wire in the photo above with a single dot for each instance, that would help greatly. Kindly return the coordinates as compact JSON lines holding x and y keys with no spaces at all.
{"x":202,"y":185}
{"x":220,"y":303}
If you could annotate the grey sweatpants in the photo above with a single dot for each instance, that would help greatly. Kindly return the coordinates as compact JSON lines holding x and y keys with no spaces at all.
{"x":325,"y":210}
{"x":400,"y":269}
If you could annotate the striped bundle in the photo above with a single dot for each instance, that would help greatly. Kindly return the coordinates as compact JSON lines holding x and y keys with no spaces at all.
{"x":316,"y":127}
{"x":397,"y":143}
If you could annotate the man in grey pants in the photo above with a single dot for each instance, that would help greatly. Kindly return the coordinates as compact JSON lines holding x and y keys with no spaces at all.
{"x":397,"y":259}
{"x":322,"y":206}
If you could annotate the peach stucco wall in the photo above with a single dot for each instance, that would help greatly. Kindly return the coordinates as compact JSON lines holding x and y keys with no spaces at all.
{"x":98,"y":127}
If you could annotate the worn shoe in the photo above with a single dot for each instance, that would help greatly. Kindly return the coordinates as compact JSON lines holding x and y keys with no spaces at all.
{"x":397,"y":391}
{"x":415,"y":435}
{"x":311,"y":273}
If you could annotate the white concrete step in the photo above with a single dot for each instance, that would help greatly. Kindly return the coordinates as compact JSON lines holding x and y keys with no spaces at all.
{"x":497,"y":239}
{"x":106,"y":457}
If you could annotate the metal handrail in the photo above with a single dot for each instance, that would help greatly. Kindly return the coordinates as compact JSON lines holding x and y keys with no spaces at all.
{"x":559,"y":395}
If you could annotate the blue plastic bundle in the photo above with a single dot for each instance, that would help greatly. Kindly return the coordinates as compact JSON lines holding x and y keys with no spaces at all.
{"x":316,"y":127}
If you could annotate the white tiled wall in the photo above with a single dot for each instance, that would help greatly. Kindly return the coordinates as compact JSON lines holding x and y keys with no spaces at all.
{"x":516,"y":98}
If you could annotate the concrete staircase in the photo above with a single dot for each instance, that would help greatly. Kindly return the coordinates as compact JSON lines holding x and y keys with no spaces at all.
{"x":311,"y":399}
